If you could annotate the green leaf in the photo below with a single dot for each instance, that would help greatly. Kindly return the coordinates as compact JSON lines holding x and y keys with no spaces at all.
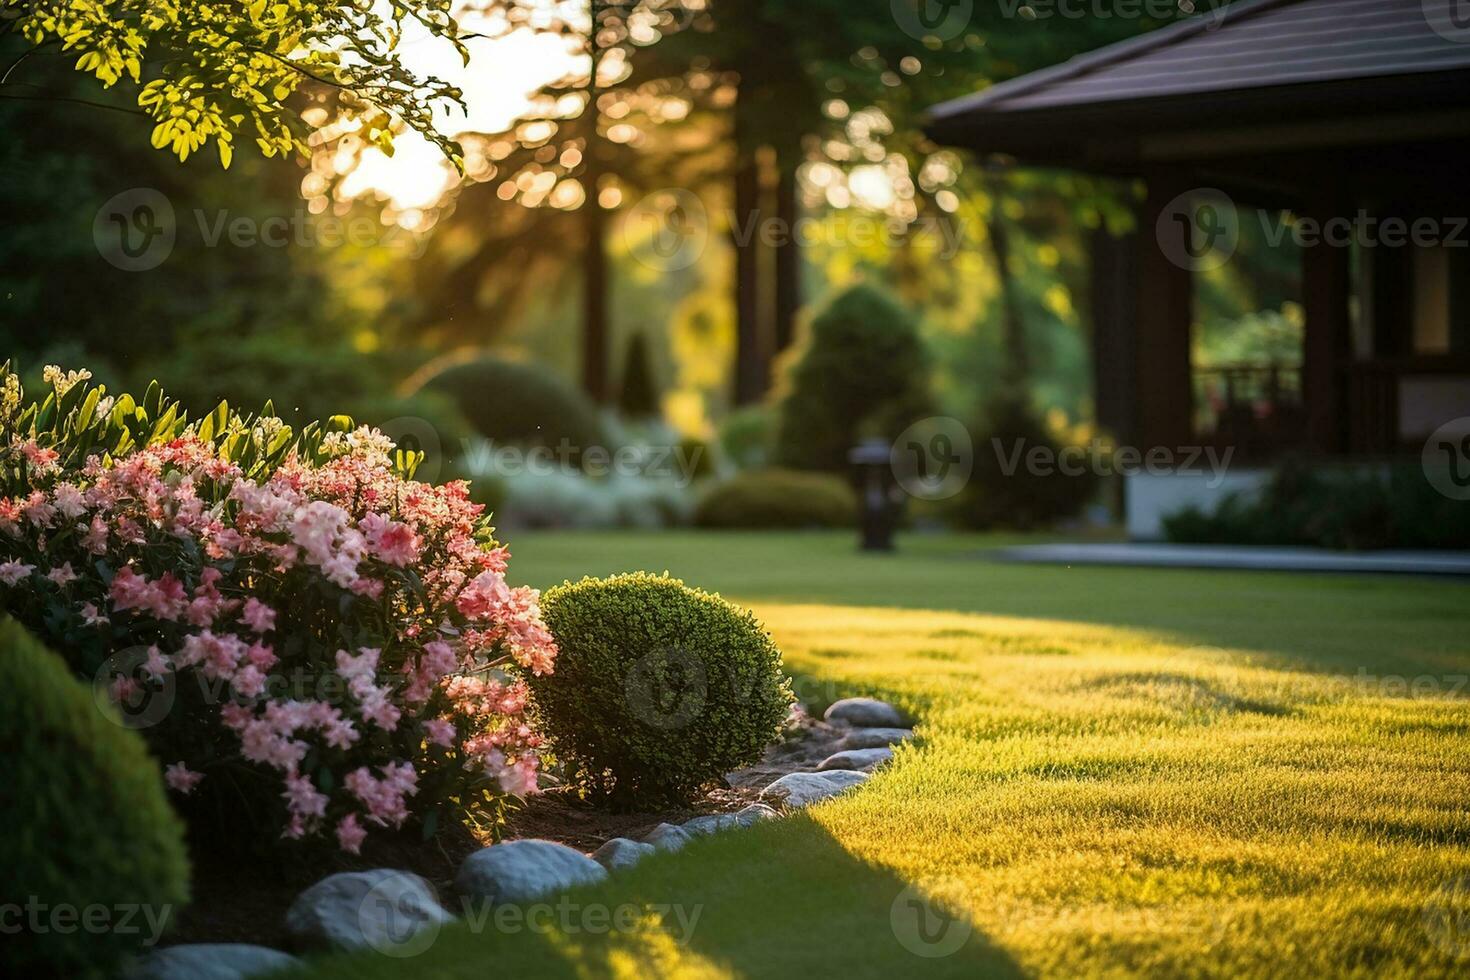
{"x":152,"y":399}
{"x":88,"y":409}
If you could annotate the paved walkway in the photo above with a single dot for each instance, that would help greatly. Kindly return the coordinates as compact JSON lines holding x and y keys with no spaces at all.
{"x":1243,"y":557}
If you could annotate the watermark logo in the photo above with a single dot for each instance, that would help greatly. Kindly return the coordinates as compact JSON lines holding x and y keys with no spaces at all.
{"x":925,"y":925}
{"x":1446,"y":918}
{"x":1104,"y":10}
{"x":135,"y":230}
{"x":128,"y":692}
{"x":666,"y":689}
{"x":1450,"y":19}
{"x":667,"y":230}
{"x":395,"y":921}
{"x":933,"y":458}
{"x":1199,"y":230}
{"x":943,"y":20}
{"x":1446,"y":459}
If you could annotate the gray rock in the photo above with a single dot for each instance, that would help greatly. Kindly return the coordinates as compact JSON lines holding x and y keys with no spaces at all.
{"x":714,"y":822}
{"x":667,"y":837}
{"x":802,"y":788}
{"x":525,"y":870}
{"x":210,"y":961}
{"x":863,"y":759}
{"x":874,"y":738}
{"x":864,"y":713}
{"x":380,"y":909}
{"x":620,"y":852}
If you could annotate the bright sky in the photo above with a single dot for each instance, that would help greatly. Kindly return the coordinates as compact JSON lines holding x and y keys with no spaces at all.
{"x":501,"y":74}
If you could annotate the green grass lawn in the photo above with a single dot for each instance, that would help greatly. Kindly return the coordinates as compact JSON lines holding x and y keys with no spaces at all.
{"x":1118,"y":771}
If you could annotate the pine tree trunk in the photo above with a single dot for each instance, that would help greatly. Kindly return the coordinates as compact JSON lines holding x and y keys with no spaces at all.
{"x":1018,"y":364}
{"x":594,"y":301}
{"x":751,"y":351}
{"x":594,"y":245}
{"x":788,"y":253}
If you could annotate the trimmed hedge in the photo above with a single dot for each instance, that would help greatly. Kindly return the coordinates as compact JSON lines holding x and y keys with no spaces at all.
{"x":523,"y":404}
{"x":86,"y":822}
{"x":1393,"y":507}
{"x":659,"y":689}
{"x":778,"y":499}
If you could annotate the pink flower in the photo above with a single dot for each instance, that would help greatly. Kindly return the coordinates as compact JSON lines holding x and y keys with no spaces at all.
{"x":391,"y":541}
{"x":91,"y":616}
{"x":484,"y":596}
{"x":62,"y":576}
{"x":350,"y":834}
{"x":439,"y":731}
{"x":303,"y":798}
{"x":68,"y":500}
{"x":181,"y":779}
{"x":156,"y":665}
{"x":258,"y":616}
{"x":95,"y":540}
{"x":14,"y":570}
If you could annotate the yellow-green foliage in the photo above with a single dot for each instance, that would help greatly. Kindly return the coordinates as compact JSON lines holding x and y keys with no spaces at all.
{"x":659,"y":689}
{"x":212,"y":69}
{"x":88,"y":836}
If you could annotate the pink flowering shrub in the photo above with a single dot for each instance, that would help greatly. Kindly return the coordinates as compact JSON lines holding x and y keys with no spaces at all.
{"x":306,"y":636}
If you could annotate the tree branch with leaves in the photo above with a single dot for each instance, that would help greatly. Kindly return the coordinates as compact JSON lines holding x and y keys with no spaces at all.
{"x":217,"y":70}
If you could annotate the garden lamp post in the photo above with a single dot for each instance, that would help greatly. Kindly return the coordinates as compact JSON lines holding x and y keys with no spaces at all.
{"x":880,"y":498}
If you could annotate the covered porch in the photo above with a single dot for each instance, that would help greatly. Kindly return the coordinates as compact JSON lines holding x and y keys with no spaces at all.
{"x":1337,"y":129}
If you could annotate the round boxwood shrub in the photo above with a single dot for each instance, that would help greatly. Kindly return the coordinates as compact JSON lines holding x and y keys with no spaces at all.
{"x":86,"y":823}
{"x":521,"y":403}
{"x":659,"y":689}
{"x":778,"y":499}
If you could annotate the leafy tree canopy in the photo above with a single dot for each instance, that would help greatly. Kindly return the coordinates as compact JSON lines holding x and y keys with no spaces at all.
{"x":213,"y":70}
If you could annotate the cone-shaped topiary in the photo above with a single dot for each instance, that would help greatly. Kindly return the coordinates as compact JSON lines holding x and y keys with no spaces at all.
{"x":862,"y":372}
{"x":638,"y":396}
{"x":659,"y":689}
{"x":89,"y":846}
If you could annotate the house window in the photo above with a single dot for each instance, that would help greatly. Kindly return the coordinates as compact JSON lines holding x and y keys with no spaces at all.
{"x":1441,"y":300}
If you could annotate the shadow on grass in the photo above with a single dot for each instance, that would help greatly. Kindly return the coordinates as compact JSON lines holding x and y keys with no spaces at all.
{"x":782,"y":899}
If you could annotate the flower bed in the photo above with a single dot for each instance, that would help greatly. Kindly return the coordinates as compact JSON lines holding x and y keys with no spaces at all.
{"x":303,"y":632}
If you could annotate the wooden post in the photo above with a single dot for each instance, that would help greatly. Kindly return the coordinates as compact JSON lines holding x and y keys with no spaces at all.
{"x":1326,"y":283}
{"x":1114,"y":291}
{"x":1165,"y":314}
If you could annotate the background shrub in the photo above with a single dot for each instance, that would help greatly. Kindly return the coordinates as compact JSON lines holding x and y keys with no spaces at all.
{"x":85,"y":817}
{"x":659,"y":689}
{"x":862,"y":371}
{"x":524,"y":404}
{"x":1394,"y":507}
{"x":1001,"y":496}
{"x":748,"y":436}
{"x":778,"y":499}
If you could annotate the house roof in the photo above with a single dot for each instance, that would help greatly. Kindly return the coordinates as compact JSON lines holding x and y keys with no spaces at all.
{"x":1252,"y":61}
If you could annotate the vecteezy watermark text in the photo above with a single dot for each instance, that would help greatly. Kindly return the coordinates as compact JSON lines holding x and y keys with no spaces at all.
{"x":64,"y":918}
{"x":679,"y":463}
{"x":1101,"y":460}
{"x":138,"y":229}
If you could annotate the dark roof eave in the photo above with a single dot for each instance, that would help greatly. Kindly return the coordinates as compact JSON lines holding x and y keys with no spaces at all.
{"x":1105,"y":135}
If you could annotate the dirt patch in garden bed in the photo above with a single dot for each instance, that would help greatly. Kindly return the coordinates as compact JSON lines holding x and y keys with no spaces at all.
{"x":240,"y":897}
